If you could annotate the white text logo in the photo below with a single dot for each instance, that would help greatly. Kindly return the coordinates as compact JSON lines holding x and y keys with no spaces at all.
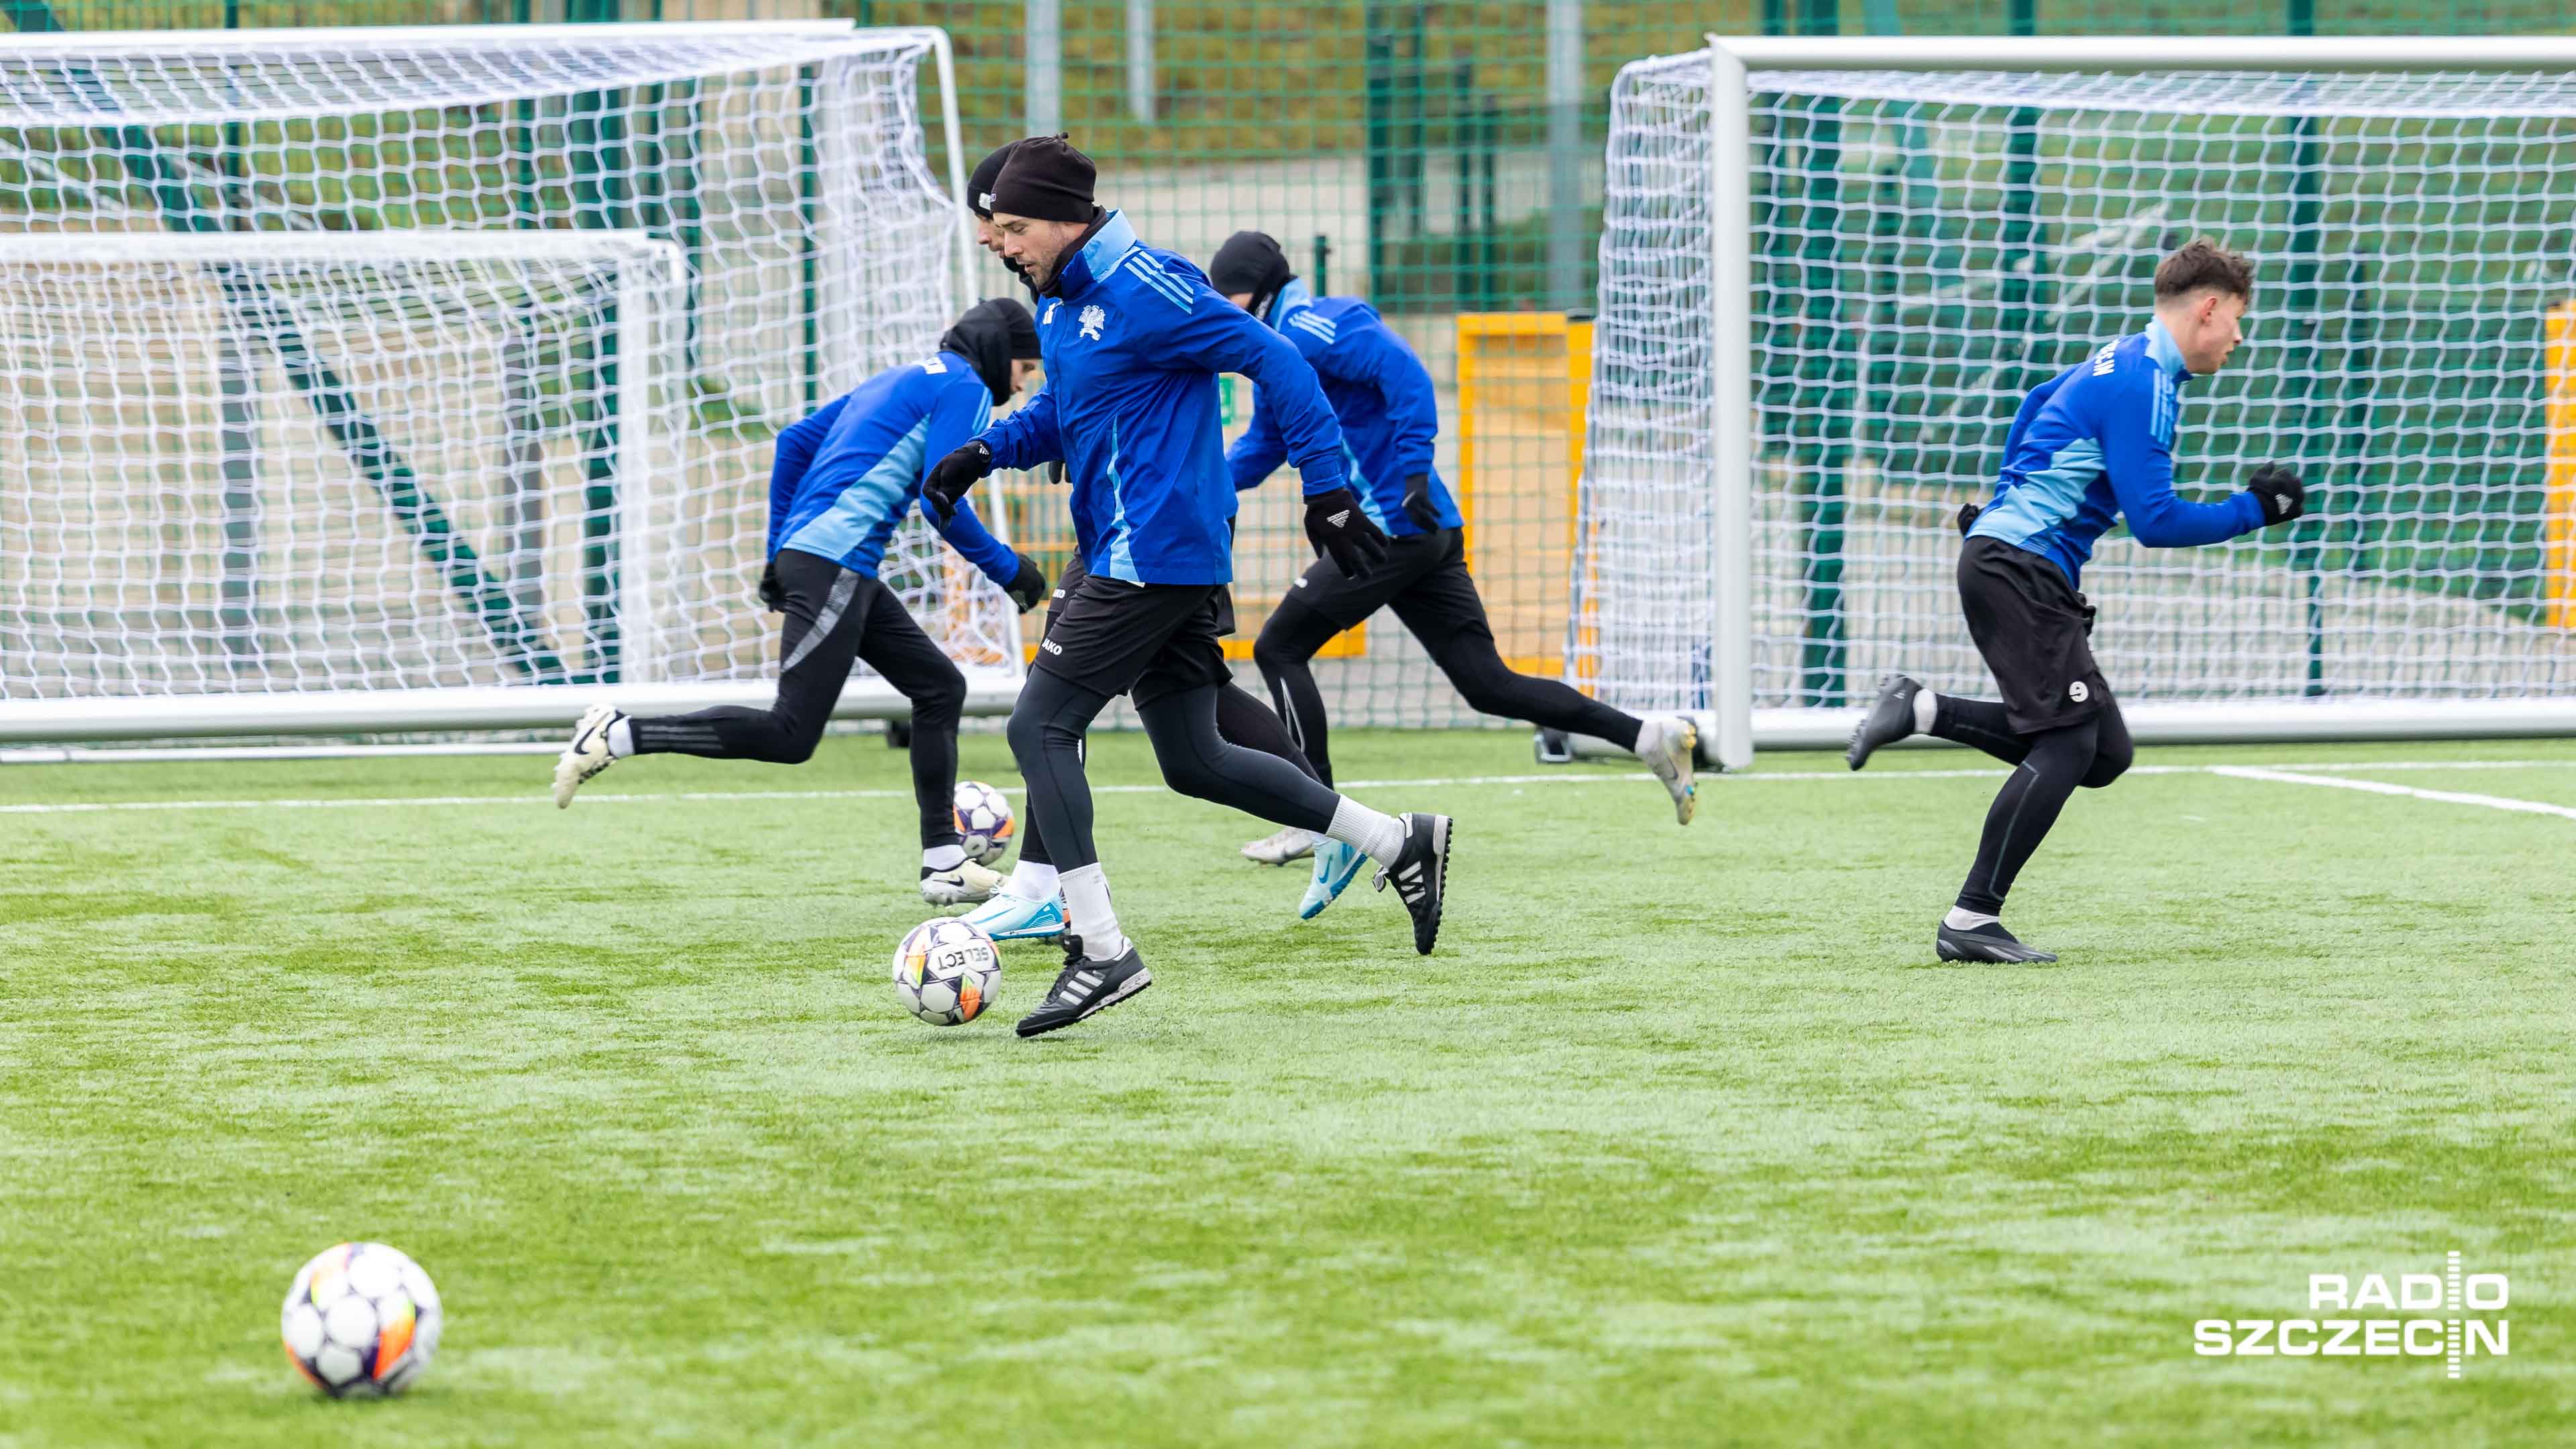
{"x":2465,"y":1320}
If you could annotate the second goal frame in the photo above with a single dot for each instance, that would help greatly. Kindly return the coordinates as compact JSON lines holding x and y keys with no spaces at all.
{"x":1733,"y":725}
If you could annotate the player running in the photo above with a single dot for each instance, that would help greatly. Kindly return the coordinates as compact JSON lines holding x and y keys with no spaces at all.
{"x":842,"y":480}
{"x":1390,"y":415}
{"x":1029,"y":906}
{"x":1133,"y":340}
{"x":2089,"y":445}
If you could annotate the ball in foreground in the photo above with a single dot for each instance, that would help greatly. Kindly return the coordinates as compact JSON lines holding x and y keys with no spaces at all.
{"x":983,"y":821}
{"x":362,"y":1319}
{"x":947,"y":971}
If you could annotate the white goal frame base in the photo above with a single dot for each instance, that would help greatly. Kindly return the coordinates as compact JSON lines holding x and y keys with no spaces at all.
{"x":393,"y":711}
{"x":2175,"y":724}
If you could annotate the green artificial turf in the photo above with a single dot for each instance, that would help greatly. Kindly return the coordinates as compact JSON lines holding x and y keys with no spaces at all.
{"x":1682,"y":1137}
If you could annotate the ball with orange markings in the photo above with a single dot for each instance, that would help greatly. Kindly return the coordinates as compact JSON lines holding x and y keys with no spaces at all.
{"x":984,"y":821}
{"x":947,"y":971}
{"x":361,"y":1320}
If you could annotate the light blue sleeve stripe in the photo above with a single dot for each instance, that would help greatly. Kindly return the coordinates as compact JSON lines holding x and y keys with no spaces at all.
{"x":873,"y":497}
{"x":1171,"y":290}
{"x":1122,"y":550}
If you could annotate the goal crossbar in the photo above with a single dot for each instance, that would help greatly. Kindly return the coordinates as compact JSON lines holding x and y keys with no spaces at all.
{"x":2109,"y":54}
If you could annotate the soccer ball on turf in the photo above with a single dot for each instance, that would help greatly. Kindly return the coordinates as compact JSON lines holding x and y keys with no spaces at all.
{"x":361,"y":1319}
{"x":984,"y":821}
{"x":947,"y":971}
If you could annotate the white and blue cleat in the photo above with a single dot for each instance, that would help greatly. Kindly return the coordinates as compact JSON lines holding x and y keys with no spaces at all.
{"x":1007,"y":917}
{"x":1336,"y":866}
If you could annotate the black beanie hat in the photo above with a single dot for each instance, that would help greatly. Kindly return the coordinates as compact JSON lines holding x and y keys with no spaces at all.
{"x":1251,"y":261}
{"x":993,"y":332}
{"x":979,"y":187}
{"x":1046,"y":180}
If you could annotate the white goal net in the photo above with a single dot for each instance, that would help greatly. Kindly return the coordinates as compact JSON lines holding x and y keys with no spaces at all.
{"x":1824,"y":292}
{"x":408,"y":378}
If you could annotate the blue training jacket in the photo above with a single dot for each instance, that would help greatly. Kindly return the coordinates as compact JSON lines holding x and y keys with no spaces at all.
{"x":1133,"y":339}
{"x":1379,"y":392}
{"x":846,"y":476}
{"x":2094,"y":443}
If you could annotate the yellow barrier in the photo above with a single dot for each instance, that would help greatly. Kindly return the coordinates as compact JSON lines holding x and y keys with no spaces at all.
{"x":1524,"y":383}
{"x":2559,"y":535}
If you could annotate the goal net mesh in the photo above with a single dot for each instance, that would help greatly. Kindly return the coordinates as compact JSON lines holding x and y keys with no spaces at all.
{"x":443,"y":358}
{"x":1926,"y":247}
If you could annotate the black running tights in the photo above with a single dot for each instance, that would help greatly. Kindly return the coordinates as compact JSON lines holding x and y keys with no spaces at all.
{"x":1047,"y":728}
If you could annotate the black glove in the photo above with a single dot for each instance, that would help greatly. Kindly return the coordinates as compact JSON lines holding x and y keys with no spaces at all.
{"x":1418,"y":505}
{"x":1968,"y":517}
{"x":951,"y":476}
{"x":1029,"y":586}
{"x":2279,"y":491}
{"x":1340,"y":532}
{"x":773,"y":594}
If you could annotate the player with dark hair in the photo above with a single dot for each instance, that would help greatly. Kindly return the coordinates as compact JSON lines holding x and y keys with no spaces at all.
{"x":1029,"y":906}
{"x":842,"y":479}
{"x":1390,"y":415}
{"x":2089,"y":446}
{"x":1133,"y":340}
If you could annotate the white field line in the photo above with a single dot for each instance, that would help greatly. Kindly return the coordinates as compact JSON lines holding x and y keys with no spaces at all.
{"x":1566,"y":776}
{"x":2382,"y":787}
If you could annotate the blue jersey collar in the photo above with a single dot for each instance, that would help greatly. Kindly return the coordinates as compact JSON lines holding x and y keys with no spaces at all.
{"x":1098,"y":256}
{"x":1295,"y":294}
{"x":2165,"y":350}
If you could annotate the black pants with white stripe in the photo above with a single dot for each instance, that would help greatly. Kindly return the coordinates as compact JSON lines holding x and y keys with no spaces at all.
{"x":836,"y":616}
{"x":1424,"y":580}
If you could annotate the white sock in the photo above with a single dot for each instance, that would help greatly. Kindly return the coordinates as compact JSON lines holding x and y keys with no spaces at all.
{"x":1927,"y":705}
{"x":621,"y":740}
{"x":1087,"y":913}
{"x":1379,"y":836}
{"x":942,"y":857}
{"x":1650,"y":733}
{"x":1032,"y":881}
{"x":1963,"y":919}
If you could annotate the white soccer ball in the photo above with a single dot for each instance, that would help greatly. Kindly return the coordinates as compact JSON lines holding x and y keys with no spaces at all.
{"x":362,"y":1319}
{"x":984,"y":821}
{"x":947,"y":971}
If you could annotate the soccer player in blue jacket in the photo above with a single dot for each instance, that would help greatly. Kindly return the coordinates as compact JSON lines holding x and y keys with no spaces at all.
{"x":1133,"y":341}
{"x":842,"y":480}
{"x":2089,"y":446}
{"x":1029,"y":905}
{"x":1390,"y":414}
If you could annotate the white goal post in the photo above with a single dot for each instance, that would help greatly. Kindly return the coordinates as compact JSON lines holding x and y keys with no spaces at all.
{"x":423,"y":378}
{"x":1831,"y":267}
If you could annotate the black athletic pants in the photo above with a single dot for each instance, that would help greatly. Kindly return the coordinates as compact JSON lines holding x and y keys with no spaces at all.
{"x":2049,"y":766}
{"x":1425,"y":581}
{"x":2057,"y":723}
{"x":836,"y":616}
{"x":1240,"y":720}
{"x":1047,"y":728}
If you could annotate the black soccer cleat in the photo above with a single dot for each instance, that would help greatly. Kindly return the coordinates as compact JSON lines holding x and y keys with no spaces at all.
{"x":1889,"y":720}
{"x":1989,"y":943}
{"x":1421,"y":875}
{"x":1086,"y":986}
